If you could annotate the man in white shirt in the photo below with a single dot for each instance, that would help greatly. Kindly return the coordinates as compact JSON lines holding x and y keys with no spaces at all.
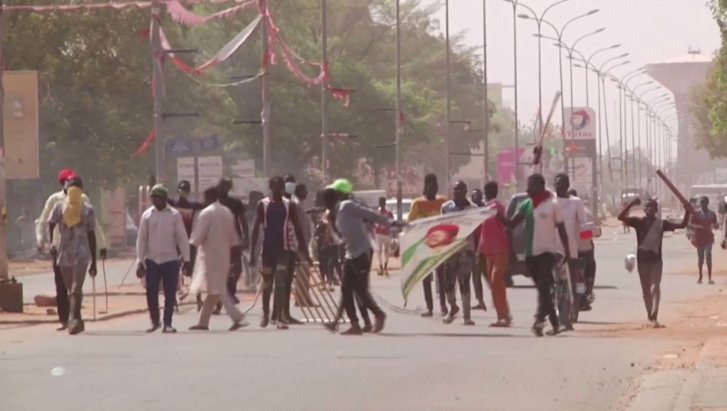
{"x":41,"y":228}
{"x":574,"y":216}
{"x":544,"y":224}
{"x":162,"y":237}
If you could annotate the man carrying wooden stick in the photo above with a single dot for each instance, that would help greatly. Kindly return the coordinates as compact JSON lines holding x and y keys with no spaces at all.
{"x":649,"y":234}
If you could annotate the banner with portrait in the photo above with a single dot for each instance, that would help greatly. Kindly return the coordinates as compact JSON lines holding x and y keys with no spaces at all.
{"x":427,"y":243}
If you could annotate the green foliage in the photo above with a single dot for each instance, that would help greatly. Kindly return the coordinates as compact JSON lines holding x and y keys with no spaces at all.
{"x":96,"y":103}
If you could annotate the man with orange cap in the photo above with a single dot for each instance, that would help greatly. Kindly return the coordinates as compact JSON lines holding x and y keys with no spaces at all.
{"x":41,"y":227}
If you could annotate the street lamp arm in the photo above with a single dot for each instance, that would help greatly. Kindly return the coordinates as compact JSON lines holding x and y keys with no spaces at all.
{"x":588,"y":61}
{"x":576,"y":18}
{"x":610,"y":60}
{"x":593,"y":33}
{"x":542,"y":16}
{"x":623,"y":63}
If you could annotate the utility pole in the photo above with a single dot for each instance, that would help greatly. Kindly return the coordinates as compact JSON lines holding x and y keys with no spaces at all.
{"x":264,"y":91}
{"x":399,"y":211}
{"x":487,"y":91}
{"x":3,"y":194}
{"x":324,"y":92}
{"x":447,"y":90}
{"x":157,"y":56}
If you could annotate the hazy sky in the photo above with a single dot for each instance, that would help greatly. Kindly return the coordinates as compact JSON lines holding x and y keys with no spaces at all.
{"x":650,"y":30}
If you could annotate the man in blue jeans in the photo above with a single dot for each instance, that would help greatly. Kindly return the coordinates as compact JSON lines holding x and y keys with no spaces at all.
{"x":162,"y":237}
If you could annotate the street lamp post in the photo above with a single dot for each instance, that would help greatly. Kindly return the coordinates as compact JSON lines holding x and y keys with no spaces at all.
{"x":486,"y":92}
{"x":539,"y":22}
{"x":559,"y":39}
{"x":399,"y":210}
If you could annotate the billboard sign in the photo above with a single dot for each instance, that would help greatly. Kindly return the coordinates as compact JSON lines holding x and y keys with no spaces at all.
{"x":209,"y":171}
{"x":506,"y":160}
{"x":20,"y":124}
{"x":580,"y":123}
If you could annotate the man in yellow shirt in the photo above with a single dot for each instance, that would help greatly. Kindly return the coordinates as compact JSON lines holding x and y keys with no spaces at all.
{"x":429,"y":205}
{"x":41,"y":227}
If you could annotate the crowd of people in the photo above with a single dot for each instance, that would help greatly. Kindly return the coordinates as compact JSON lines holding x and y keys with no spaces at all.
{"x":206,"y":241}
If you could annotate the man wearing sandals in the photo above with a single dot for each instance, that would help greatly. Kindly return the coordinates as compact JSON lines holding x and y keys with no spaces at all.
{"x":495,"y":250}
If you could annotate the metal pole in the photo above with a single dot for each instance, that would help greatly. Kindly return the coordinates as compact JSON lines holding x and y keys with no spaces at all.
{"x":324,"y":92}
{"x":624,"y":171}
{"x":517,"y":125}
{"x":600,"y":128}
{"x":487,"y":98}
{"x":157,"y":54}
{"x":638,"y":126}
{"x":585,"y":70}
{"x":562,"y":110}
{"x":540,"y":82}
{"x":3,"y":187}
{"x":399,"y":211}
{"x":448,"y":101}
{"x":572,"y":104}
{"x":264,"y":93}
{"x":637,"y":171}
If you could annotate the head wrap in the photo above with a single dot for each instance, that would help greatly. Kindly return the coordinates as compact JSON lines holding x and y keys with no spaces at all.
{"x":65,"y":174}
{"x":73,"y":206}
{"x":342,"y":185}
{"x":159,"y":190}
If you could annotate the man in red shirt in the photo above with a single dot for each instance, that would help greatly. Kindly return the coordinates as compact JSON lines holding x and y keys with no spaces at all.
{"x":383,"y":239}
{"x":493,"y":247}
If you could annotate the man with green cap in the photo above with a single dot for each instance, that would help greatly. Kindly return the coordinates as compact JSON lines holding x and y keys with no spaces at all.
{"x":350,"y":219}
{"x":161,"y":239}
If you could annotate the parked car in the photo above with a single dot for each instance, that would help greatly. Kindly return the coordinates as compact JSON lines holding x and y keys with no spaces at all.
{"x":405,"y":207}
{"x":131,"y":231}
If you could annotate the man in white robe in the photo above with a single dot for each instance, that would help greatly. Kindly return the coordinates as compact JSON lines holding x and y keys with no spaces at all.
{"x":214,"y":235}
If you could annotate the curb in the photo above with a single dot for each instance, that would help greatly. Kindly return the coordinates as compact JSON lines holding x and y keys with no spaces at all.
{"x":100,"y":318}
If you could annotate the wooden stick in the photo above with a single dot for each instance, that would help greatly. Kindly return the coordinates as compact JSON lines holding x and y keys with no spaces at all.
{"x":685,"y":203}
{"x":538,"y":150}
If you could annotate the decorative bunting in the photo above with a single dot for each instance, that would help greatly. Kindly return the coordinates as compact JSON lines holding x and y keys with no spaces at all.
{"x":181,"y":15}
{"x":343,"y":94}
{"x":78,"y":7}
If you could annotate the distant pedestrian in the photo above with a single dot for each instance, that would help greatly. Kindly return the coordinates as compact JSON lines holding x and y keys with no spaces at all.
{"x":704,"y":237}
{"x":76,"y":223}
{"x":214,"y":235}
{"x":650,"y":231}
{"x":480,"y":267}
{"x":189,"y":210}
{"x":160,"y":241}
{"x":383,"y":238}
{"x":41,"y":228}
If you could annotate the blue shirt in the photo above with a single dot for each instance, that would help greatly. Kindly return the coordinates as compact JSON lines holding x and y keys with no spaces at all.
{"x":351,"y":219}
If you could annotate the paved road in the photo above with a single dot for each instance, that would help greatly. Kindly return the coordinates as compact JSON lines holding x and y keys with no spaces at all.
{"x":416,"y":364}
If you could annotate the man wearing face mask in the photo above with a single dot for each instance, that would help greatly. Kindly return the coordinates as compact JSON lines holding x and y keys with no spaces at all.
{"x":41,"y":228}
{"x":290,"y":186}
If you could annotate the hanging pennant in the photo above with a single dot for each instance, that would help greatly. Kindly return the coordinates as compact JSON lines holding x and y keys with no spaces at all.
{"x":343,"y":94}
{"x":181,"y":15}
{"x":142,"y":148}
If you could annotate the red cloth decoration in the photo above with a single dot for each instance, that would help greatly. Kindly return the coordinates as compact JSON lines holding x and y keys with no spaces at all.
{"x":181,"y":15}
{"x":343,"y":94}
{"x":142,"y":148}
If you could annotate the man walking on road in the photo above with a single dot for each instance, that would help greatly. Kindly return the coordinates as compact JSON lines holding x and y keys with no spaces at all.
{"x":351,"y":218}
{"x":276,"y":214}
{"x":574,"y":216}
{"x":430,"y":205}
{"x":382,"y":235}
{"x":494,"y":248}
{"x":587,"y":252}
{"x":238,"y":211}
{"x":59,"y":197}
{"x":214,"y":235}
{"x":76,"y":224}
{"x":188,"y":210}
{"x":704,"y":237}
{"x":650,"y":231}
{"x":458,"y":268}
{"x":544,"y":223}
{"x":480,"y":267}
{"x":161,"y":239}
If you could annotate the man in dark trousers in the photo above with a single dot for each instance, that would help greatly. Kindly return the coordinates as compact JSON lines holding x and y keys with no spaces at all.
{"x":704,"y":237}
{"x":650,"y":231}
{"x":275,"y":214}
{"x":351,"y":218}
